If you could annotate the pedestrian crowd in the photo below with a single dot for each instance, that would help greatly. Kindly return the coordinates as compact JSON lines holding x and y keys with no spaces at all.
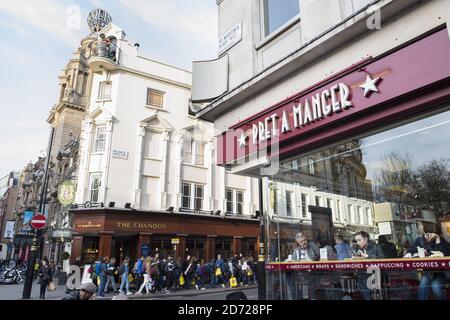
{"x":166,"y":274}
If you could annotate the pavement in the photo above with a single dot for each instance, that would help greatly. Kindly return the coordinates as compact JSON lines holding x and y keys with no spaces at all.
{"x":14,"y":292}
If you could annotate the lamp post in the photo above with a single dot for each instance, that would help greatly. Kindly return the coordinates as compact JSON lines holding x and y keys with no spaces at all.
{"x":260,"y":267}
{"x":37,"y":234}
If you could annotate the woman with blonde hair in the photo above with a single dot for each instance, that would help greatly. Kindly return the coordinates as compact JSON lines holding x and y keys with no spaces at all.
{"x":147,"y":277}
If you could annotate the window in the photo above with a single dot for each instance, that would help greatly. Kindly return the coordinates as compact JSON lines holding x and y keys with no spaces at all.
{"x":350,"y":217}
{"x":304,"y":206}
{"x":359,"y":218}
{"x":104,"y":93}
{"x":200,"y":154}
{"x":318,"y":201}
{"x":96,"y":182}
{"x":240,"y":202}
{"x":186,"y":201}
{"x":187,"y":151}
{"x":155,"y":98}
{"x":277,"y":13}
{"x":329,"y":203}
{"x":198,"y":197}
{"x":194,"y":148}
{"x":230,"y":200}
{"x":368,"y":217}
{"x":100,"y":139}
{"x":311,"y":166}
{"x":289,"y":203}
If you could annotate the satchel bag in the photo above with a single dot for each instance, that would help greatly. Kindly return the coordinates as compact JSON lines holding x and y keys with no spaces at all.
{"x":51,"y":286}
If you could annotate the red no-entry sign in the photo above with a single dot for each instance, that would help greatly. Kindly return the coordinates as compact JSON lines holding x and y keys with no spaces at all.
{"x":38,"y":221}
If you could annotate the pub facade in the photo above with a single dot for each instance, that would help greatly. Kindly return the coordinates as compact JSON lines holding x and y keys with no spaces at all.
{"x":118,"y":233}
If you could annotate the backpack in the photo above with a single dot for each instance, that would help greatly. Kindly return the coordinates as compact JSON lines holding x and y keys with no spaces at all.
{"x":122,"y":269}
{"x":209,"y":267}
{"x":139,"y":267}
{"x":98,"y":268}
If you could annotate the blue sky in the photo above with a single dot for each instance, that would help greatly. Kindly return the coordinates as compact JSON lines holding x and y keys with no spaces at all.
{"x":39,"y":36}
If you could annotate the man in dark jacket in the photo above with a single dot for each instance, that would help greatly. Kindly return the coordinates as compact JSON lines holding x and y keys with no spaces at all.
{"x":388,"y":248}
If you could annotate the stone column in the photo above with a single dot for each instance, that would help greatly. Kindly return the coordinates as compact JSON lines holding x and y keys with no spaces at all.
{"x":210,"y":164}
{"x":83,"y":176}
{"x":138,"y":167}
{"x":178,"y":169}
{"x":105,"y":177}
{"x":104,"y":247}
{"x":165,"y":156}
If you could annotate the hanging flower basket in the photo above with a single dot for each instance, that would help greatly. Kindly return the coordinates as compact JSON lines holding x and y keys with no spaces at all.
{"x":65,"y":255}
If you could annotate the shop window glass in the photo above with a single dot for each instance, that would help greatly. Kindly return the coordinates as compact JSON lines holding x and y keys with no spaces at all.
{"x":393,"y":187}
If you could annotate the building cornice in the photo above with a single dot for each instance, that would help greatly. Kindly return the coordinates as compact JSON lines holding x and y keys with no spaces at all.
{"x":61,"y":105}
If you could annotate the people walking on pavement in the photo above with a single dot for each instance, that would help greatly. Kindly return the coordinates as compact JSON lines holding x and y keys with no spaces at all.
{"x":124,"y":272}
{"x":103,"y":276}
{"x":218,"y":271}
{"x":110,"y":271}
{"x":45,"y":277}
{"x":147,"y":283}
{"x":138,"y":271}
{"x":169,"y":270}
{"x":189,"y":272}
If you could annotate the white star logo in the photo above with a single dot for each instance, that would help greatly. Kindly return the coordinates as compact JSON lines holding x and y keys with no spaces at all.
{"x":370,"y":85}
{"x":242,"y":140}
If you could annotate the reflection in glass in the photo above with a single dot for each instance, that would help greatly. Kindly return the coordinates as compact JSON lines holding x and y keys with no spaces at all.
{"x":392,"y":184}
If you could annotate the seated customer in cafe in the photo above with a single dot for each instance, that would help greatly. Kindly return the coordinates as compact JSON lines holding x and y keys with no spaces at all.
{"x":305,"y":250}
{"x":431,"y":241}
{"x":343,"y":249}
{"x":367,"y":249}
{"x":388,"y":248}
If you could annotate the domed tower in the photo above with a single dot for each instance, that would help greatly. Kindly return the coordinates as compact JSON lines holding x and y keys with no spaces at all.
{"x":98,"y":19}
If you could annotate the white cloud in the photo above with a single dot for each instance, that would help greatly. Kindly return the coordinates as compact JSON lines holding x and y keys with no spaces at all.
{"x":49,"y":16}
{"x":193,"y":19}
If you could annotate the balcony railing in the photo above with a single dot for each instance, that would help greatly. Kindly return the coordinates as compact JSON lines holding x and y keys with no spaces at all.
{"x":104,"y":49}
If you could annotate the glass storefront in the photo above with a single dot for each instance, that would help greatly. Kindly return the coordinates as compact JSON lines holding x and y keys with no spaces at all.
{"x":365,"y":218}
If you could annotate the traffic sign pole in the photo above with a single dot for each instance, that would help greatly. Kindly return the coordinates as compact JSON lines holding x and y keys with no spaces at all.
{"x":37,"y":234}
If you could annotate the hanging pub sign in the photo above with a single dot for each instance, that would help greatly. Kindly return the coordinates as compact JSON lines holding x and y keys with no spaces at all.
{"x":66,"y":193}
{"x":338,"y":103}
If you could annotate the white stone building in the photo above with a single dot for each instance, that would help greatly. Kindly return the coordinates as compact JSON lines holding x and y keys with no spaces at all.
{"x":139,"y":145}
